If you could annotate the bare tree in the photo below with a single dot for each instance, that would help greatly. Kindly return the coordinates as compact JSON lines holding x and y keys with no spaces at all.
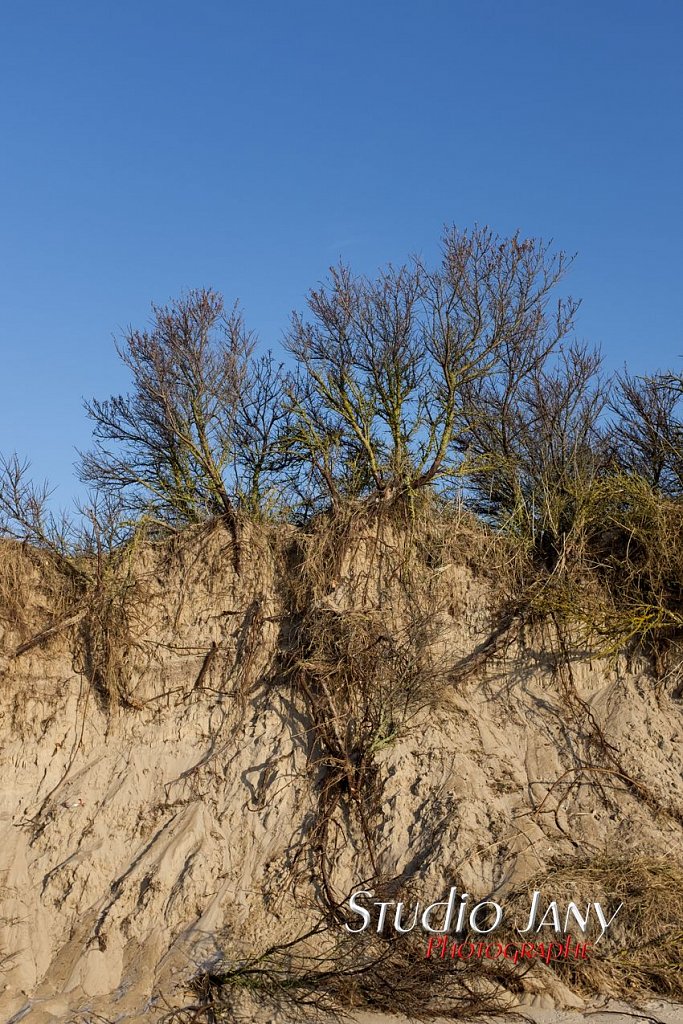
{"x":537,"y":446}
{"x":25,"y":512}
{"x":262,"y":462}
{"x":385,"y":362}
{"x":648,"y":432}
{"x":194,"y":437}
{"x":360,"y":371}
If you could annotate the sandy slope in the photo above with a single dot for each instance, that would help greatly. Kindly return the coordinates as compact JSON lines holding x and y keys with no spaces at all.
{"x":612,"y":1013}
{"x":138,"y":844}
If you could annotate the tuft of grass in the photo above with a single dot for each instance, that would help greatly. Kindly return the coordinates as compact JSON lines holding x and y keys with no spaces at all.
{"x":36,"y":595}
{"x":640,"y":955}
{"x":614,"y":578}
{"x":90,"y":600}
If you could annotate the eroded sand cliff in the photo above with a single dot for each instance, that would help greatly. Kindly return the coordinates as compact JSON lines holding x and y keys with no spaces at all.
{"x":144,"y":840}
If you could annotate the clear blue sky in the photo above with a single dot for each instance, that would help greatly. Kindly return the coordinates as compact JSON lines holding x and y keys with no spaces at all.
{"x":152,"y":146}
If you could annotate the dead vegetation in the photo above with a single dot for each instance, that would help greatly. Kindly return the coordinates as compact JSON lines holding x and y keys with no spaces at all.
{"x":87,"y":602}
{"x":425,"y":396}
{"x":31,"y":593}
{"x":328,"y":973}
{"x":641,"y":954}
{"x":360,"y":661}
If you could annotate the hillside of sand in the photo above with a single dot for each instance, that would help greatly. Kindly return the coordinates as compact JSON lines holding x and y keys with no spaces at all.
{"x":276,"y":731}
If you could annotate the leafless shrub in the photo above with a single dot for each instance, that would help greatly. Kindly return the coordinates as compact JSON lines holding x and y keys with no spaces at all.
{"x":328,"y":974}
{"x":26,"y":515}
{"x":68,"y":575}
{"x":199,"y":433}
{"x":534,"y":443}
{"x":648,"y":432}
{"x":384,"y":362}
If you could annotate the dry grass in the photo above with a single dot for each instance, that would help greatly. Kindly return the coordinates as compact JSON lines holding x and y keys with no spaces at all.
{"x":36,"y":595}
{"x":641,"y":954}
{"x":106,"y":633}
{"x":614,"y":583}
{"x":17,"y":588}
{"x":89,"y":603}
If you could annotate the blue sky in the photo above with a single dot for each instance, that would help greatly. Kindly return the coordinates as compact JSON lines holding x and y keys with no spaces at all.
{"x":153,"y":146}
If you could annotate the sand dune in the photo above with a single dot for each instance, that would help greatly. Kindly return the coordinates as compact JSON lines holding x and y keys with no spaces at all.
{"x":141,"y":843}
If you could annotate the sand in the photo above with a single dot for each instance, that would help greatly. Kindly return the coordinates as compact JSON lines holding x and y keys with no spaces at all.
{"x":139,"y":844}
